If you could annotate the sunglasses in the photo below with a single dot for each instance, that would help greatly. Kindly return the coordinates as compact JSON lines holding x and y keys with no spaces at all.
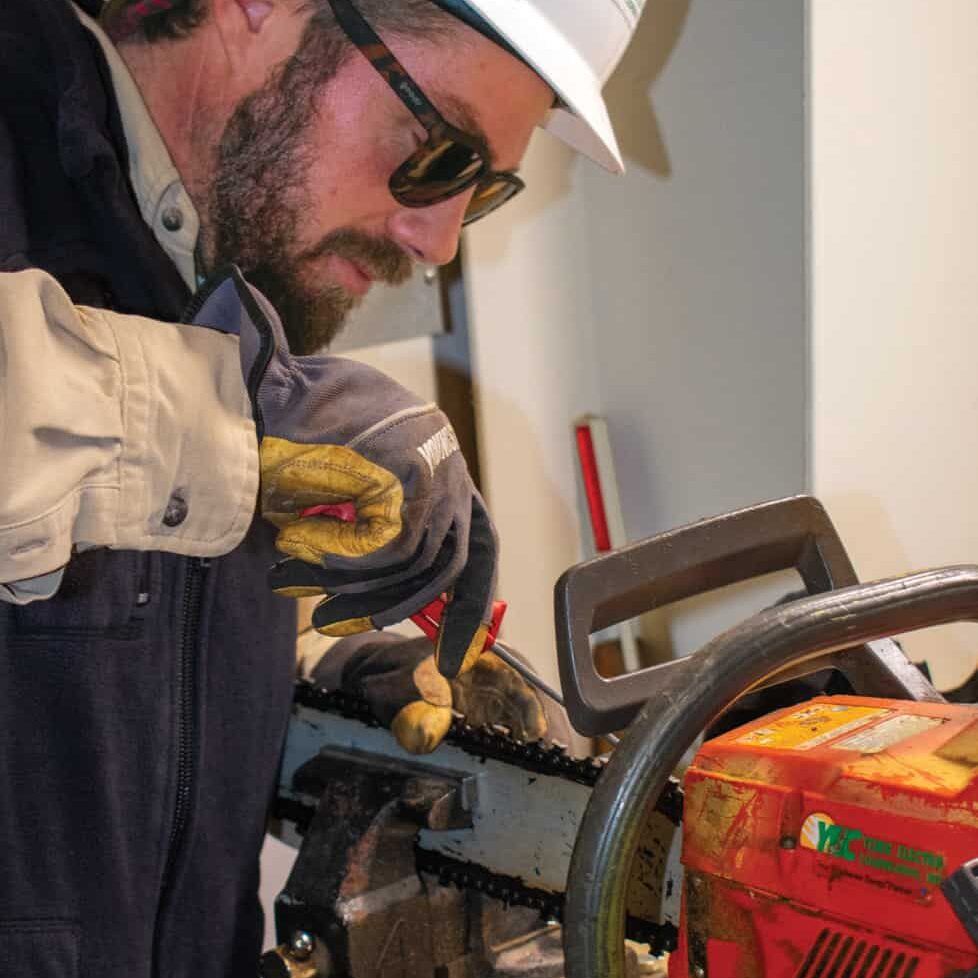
{"x":450,"y":161}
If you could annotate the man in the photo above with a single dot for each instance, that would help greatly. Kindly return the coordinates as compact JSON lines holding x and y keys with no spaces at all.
{"x":145,"y":665}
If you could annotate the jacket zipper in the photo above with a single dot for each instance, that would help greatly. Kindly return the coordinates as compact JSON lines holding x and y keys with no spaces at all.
{"x":186,"y":738}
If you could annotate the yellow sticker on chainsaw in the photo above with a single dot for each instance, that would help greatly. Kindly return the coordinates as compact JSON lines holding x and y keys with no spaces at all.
{"x":810,"y":726}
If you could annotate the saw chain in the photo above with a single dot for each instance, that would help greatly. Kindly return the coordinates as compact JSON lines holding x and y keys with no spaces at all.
{"x":493,"y":742}
{"x":490,"y":741}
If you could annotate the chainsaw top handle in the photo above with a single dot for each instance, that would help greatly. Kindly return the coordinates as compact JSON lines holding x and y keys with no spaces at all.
{"x":691,"y":697}
{"x":795,"y":532}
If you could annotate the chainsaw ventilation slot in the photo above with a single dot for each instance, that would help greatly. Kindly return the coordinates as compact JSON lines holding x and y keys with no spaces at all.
{"x":838,"y":955}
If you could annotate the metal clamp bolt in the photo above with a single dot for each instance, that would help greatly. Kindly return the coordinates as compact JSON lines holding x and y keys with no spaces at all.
{"x":301,"y":945}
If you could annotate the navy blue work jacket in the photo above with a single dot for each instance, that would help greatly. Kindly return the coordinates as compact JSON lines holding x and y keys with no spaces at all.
{"x":142,"y":709}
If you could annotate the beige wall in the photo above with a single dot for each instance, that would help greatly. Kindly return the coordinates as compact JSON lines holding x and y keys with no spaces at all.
{"x":671,"y":300}
{"x":708,"y":299}
{"x":528,"y":286}
{"x":894,"y":267}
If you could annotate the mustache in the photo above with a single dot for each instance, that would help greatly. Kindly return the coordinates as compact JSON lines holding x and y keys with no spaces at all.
{"x":379,"y":257}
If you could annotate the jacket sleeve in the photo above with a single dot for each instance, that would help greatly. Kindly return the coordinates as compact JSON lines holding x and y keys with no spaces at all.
{"x":115,"y":431}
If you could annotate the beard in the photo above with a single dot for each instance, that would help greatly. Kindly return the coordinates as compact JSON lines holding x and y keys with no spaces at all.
{"x":258,"y":195}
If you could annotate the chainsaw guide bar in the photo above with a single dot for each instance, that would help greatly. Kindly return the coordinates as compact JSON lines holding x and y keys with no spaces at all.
{"x":491,"y":743}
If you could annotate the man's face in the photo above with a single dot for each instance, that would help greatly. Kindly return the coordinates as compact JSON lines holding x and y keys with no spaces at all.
{"x":299,"y":196}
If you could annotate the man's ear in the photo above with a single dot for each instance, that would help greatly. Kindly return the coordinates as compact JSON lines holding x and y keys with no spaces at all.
{"x":256,"y":12}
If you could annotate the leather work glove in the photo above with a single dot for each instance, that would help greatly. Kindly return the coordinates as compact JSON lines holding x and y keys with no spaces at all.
{"x":337,"y":435}
{"x":407,"y":693}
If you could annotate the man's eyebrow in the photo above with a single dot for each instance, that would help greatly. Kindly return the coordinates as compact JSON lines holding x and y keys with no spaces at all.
{"x":465,"y":119}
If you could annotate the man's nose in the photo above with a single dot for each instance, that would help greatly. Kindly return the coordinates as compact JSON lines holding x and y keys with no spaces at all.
{"x":430,"y":234}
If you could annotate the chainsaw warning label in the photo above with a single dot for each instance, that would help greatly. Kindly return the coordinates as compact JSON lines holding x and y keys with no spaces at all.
{"x":811,"y":726}
{"x":888,"y":733}
{"x":821,"y":833}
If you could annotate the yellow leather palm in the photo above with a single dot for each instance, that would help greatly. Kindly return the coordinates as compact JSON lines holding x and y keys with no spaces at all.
{"x":342,"y":441}
{"x":295,"y":477}
{"x":400,"y":681}
{"x":489,"y":693}
{"x":421,"y":725}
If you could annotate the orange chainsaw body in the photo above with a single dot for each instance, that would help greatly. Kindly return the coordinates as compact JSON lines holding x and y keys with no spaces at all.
{"x":816,"y":839}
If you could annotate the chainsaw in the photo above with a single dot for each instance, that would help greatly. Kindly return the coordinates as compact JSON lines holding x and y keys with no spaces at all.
{"x":833,"y":838}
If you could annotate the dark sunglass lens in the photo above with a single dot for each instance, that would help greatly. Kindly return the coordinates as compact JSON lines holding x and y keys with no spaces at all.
{"x":489,"y":196}
{"x":455,"y":164}
{"x":434,"y":172}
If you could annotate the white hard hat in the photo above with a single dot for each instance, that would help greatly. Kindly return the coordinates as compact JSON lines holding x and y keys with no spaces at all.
{"x":574,"y":45}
